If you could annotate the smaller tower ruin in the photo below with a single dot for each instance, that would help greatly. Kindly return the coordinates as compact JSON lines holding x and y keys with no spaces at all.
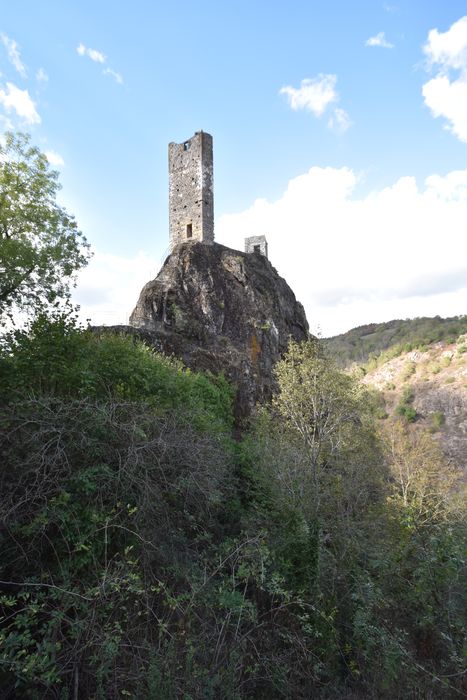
{"x":256,"y":244}
{"x":191,"y":194}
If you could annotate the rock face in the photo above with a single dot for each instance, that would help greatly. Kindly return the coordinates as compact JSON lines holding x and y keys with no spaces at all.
{"x":225,"y":311}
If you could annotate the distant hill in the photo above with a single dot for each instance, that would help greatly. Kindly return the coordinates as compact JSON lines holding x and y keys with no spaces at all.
{"x":428,"y":388}
{"x":390,"y":339}
{"x":420,"y":368}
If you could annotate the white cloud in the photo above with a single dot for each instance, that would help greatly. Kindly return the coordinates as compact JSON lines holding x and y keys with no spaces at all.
{"x":99,"y":57}
{"x":448,"y":99}
{"x":396,"y":253}
{"x":339,"y":120}
{"x":13,"y":54}
{"x":314,"y":94}
{"x":448,"y":49}
{"x":379,"y":40}
{"x":446,"y":94}
{"x":113,"y":74}
{"x":20,"y":101}
{"x":41,"y":76}
{"x":54,"y":158}
{"x":93,"y":54}
{"x":108,"y":288}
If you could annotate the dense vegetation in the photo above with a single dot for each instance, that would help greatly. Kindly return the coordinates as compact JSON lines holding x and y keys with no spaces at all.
{"x":382,"y":341}
{"x":144,"y":553}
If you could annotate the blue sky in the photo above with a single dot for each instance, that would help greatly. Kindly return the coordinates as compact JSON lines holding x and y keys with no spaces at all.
{"x":340,"y":131}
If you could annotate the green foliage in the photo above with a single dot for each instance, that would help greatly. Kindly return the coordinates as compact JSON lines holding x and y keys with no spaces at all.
{"x":144,"y":554}
{"x":40,"y":245}
{"x":408,"y":370}
{"x":377,"y":343}
{"x":375,"y":403}
{"x":55,"y":356}
{"x":404,"y":408}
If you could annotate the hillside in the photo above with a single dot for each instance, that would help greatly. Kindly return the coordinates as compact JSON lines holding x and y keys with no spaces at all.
{"x":394,"y":337}
{"x":420,"y":368}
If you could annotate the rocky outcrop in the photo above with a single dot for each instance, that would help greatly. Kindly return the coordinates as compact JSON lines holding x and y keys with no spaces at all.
{"x":225,"y":311}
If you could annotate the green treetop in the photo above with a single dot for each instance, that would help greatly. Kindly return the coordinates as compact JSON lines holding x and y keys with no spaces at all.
{"x":40,"y":244}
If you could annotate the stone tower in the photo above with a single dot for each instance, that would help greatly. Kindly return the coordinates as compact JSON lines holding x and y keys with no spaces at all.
{"x":191,"y":195}
{"x":256,"y":244}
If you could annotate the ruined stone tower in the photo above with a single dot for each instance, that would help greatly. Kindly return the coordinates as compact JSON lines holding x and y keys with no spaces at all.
{"x":191,"y":195}
{"x":256,"y":244}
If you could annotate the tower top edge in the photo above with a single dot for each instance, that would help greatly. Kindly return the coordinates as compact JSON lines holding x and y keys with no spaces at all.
{"x":203,"y":134}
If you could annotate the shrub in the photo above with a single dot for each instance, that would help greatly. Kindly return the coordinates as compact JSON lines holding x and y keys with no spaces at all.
{"x":408,"y":370}
{"x":404,"y":408}
{"x":56,"y":356}
{"x":437,"y":420}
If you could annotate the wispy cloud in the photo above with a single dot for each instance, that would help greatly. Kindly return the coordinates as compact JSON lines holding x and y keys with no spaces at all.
{"x":99,"y":57}
{"x":54,"y":159}
{"x":13,"y":54}
{"x":93,"y":54}
{"x":379,"y":40}
{"x":314,"y":94}
{"x":339,"y":120}
{"x":446,"y":94}
{"x":113,"y":74}
{"x":41,"y":76}
{"x":13,"y":98}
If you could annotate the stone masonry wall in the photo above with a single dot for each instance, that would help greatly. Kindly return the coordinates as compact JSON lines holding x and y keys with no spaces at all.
{"x":191,"y":193}
{"x":256,"y":244}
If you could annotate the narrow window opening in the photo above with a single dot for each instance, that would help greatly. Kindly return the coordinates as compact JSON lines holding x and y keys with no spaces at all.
{"x":257,"y":249}
{"x":186,"y":145}
{"x":189,"y":230}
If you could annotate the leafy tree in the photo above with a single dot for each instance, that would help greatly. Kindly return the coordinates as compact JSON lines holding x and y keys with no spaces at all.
{"x":422,"y":480}
{"x":40,"y":245}
{"x":318,"y":402}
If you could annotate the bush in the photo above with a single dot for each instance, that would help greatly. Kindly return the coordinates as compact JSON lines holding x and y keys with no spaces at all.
{"x":404,"y":408}
{"x":56,"y":356}
{"x":408,"y":370}
{"x":437,"y":420}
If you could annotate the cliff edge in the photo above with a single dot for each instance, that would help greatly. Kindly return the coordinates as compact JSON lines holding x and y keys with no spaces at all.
{"x":222,"y":310}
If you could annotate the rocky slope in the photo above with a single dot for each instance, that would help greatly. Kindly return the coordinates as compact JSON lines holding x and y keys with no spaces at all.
{"x":435,"y":382}
{"x":222,"y":310}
